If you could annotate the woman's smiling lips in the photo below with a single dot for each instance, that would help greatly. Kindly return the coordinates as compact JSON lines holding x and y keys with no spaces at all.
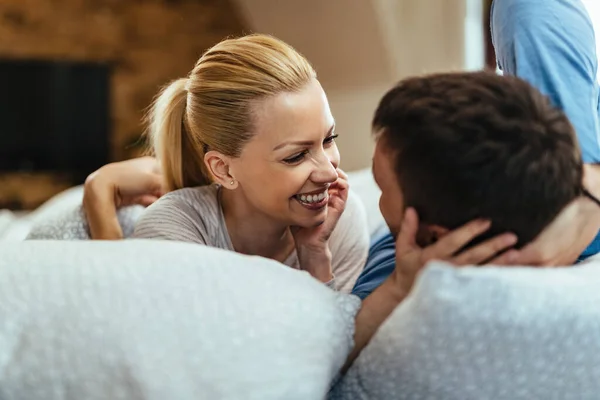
{"x":313,"y":200}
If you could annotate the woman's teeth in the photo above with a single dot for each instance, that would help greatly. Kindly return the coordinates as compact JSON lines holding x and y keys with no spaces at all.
{"x":311,"y":198}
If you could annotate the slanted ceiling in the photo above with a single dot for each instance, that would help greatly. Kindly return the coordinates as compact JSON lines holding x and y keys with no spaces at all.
{"x":360,"y":48}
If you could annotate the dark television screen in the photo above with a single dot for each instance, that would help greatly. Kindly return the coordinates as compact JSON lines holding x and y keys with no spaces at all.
{"x":54,"y":116}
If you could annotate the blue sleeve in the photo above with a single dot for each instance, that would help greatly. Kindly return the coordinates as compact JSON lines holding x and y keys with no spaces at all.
{"x":381,"y":262}
{"x":551,"y":44}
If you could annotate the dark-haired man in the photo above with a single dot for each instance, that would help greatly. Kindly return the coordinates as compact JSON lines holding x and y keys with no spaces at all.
{"x":550,"y":44}
{"x":474,"y":145}
{"x":459,"y":147}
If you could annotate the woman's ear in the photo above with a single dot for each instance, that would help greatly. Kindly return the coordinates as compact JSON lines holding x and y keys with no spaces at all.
{"x":219,"y":166}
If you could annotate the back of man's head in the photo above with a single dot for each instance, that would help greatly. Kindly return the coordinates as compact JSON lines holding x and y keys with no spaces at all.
{"x":471,"y":145}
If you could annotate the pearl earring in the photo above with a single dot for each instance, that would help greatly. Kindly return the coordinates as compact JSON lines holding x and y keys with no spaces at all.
{"x":231,"y":183}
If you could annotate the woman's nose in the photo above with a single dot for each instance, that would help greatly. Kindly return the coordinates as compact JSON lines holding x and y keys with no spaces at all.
{"x":325,"y":171}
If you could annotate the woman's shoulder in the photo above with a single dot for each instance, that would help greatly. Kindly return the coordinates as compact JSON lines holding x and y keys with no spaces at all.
{"x":200,"y":197}
{"x":200,"y":203}
{"x":189,"y":214}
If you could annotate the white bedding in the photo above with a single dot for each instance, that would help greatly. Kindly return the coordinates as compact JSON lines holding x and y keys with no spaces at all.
{"x":487,"y":333}
{"x":156,"y":320}
{"x":65,"y":209}
{"x":13,"y":226}
{"x":17,"y":225}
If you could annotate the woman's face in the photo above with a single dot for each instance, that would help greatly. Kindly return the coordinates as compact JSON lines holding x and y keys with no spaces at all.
{"x":285,"y":169}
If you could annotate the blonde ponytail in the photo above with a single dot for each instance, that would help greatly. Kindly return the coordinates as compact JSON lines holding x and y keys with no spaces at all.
{"x":212,"y":109}
{"x":180,"y":155}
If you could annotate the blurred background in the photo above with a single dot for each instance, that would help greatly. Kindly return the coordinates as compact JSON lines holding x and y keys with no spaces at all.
{"x":77,"y":75}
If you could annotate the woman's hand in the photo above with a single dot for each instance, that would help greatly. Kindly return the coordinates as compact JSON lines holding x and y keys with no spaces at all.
{"x":411,"y":258}
{"x":319,"y":235}
{"x":116,"y":185}
{"x":312,"y":243}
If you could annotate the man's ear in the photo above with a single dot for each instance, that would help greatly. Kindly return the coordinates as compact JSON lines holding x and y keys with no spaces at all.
{"x":429,"y":234}
{"x":219,"y":166}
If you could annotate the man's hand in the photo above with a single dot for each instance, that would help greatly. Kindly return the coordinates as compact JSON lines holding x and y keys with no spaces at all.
{"x":561,"y":243}
{"x":136,"y":181}
{"x":411,"y":258}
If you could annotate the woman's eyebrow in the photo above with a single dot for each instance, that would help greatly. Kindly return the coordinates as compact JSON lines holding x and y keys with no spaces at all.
{"x":301,"y":142}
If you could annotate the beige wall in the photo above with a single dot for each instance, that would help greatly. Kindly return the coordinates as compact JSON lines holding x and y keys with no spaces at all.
{"x":360,"y":48}
{"x":353,"y":110}
{"x":148,"y":42}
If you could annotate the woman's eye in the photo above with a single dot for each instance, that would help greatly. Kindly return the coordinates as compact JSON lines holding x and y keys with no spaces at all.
{"x":295,"y":159}
{"x":330,"y":139}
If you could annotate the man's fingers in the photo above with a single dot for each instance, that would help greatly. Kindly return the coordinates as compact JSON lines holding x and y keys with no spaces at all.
{"x":408,"y":231}
{"x":449,"y":244}
{"x":486,"y":250}
{"x":146,"y":163}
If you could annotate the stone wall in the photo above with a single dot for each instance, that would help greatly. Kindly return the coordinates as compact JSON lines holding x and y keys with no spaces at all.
{"x":149,"y":42}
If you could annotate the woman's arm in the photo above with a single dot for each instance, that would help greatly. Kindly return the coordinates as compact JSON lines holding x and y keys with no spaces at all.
{"x":136,"y":181}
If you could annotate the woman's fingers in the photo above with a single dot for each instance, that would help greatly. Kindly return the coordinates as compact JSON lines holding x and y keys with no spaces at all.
{"x":342,"y":174}
{"x":338,"y":190}
{"x":486,"y":250}
{"x":406,"y":239}
{"x":449,"y":244}
{"x":508,"y":258}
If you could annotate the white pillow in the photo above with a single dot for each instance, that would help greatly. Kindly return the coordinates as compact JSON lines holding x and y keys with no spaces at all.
{"x":487,"y":333}
{"x":63,"y":218}
{"x":363,"y":184}
{"x":164,"y":320}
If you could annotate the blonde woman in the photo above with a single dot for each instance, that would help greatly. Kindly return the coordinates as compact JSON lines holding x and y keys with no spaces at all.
{"x":246,"y":143}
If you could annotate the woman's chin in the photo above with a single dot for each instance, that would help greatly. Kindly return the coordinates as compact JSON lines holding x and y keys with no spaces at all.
{"x":312,"y":221}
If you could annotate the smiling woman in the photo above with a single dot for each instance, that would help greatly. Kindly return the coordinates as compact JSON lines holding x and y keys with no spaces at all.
{"x":247,"y":147}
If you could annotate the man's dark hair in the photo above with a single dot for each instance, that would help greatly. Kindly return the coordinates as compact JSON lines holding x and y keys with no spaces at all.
{"x":470,"y":145}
